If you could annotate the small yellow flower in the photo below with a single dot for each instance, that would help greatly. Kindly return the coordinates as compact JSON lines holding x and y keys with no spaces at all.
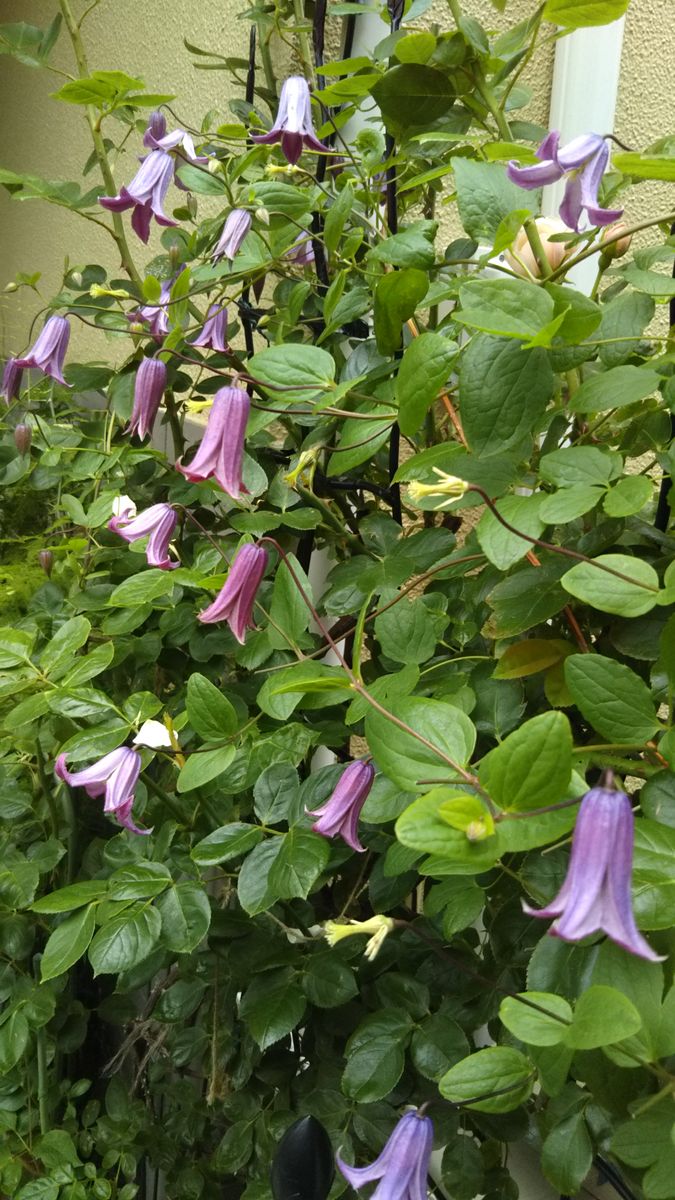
{"x":378,"y":927}
{"x":95,"y":291}
{"x":448,"y":485}
{"x":305,"y":465}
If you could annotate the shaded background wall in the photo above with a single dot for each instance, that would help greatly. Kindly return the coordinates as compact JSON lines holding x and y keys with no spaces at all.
{"x":145,"y":38}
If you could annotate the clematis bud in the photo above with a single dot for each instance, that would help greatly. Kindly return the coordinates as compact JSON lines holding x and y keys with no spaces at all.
{"x":618,"y":248}
{"x":11,"y":380}
{"x":148,"y":392}
{"x":339,"y":816}
{"x":377,"y":928}
{"x":23,"y":436}
{"x":235,"y":229}
{"x":157,"y":523}
{"x":403,"y":1165}
{"x":221,"y":449}
{"x":156,"y":129}
{"x":521,"y":256}
{"x":213,"y":335}
{"x":584,"y":161}
{"x":293,"y":126}
{"x":234,"y":603}
{"x":46,"y":561}
{"x":114,"y":776}
{"x":49,"y":350}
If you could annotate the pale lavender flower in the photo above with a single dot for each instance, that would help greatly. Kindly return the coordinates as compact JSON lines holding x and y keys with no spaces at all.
{"x":157,"y":523}
{"x":221,"y":449}
{"x":584,"y":161}
{"x":302,"y":251}
{"x":596,"y":894}
{"x":148,"y":391}
{"x":213,"y":335}
{"x":293,"y":126}
{"x":235,"y":229}
{"x":403,"y":1165}
{"x":339,"y":816}
{"x":49,"y":350}
{"x":115,"y":776}
{"x":145,"y":194}
{"x":11,"y":380}
{"x":155,"y":316}
{"x":234,"y":603}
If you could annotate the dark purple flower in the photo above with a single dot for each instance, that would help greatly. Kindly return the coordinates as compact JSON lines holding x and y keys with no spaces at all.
{"x":11,"y":380}
{"x":213,"y":335}
{"x":403,"y":1165}
{"x":157,"y":523}
{"x":339,"y":816}
{"x":221,"y":449}
{"x":235,"y":229}
{"x":156,"y":129}
{"x":234,"y":603}
{"x":115,"y":776}
{"x":584,"y":161}
{"x":49,"y":350}
{"x":293,"y":126}
{"x":148,"y":391}
{"x":302,"y":251}
{"x":596,"y":895}
{"x":145,"y":194}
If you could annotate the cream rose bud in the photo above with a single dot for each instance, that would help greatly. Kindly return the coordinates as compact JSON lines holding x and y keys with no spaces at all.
{"x":616,"y":249}
{"x":556,"y":252}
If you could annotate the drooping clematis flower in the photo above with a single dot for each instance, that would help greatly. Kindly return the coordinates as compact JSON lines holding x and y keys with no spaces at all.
{"x":403,"y":1165}
{"x":157,"y":523}
{"x":302,"y":251}
{"x":48,"y":352}
{"x":145,"y":194}
{"x":293,"y":126}
{"x":155,"y":316}
{"x":213,"y":335}
{"x":583,"y":161}
{"x":595,"y":896}
{"x":148,"y":391}
{"x":339,"y":816}
{"x":115,"y":776}
{"x":236,"y":227}
{"x":234,"y":603}
{"x":11,"y":381}
{"x":221,"y":449}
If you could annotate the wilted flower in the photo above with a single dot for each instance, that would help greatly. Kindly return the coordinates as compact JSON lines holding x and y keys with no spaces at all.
{"x":153,"y":734}
{"x":234,"y":603}
{"x":157,"y":523}
{"x":521,"y":258}
{"x":49,"y":350}
{"x":221,"y":449}
{"x":293,"y":126}
{"x":148,"y":391}
{"x":115,"y":776}
{"x":596,"y":893}
{"x":403,"y":1165}
{"x":213,"y":335}
{"x":46,"y":561}
{"x":11,"y":380}
{"x":340,"y":814}
{"x":376,"y":928}
{"x":615,"y":249}
{"x":448,"y":485}
{"x":236,"y":227}
{"x":584,"y":161}
{"x":23,"y":436}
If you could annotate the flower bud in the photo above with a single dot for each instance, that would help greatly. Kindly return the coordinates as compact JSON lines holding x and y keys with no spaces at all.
{"x":556,"y":252}
{"x":23,"y":436}
{"x":46,"y":561}
{"x":376,"y":927}
{"x":11,"y":287}
{"x":615,"y":249}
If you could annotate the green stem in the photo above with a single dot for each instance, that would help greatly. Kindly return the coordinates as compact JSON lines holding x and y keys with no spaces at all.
{"x":304,"y":50}
{"x":46,"y":788}
{"x":177,"y":435}
{"x":99,"y":145}
{"x":666,"y":219}
{"x":41,"y":1061}
{"x":486,"y":93}
{"x":171,"y":804}
{"x":537,"y":246}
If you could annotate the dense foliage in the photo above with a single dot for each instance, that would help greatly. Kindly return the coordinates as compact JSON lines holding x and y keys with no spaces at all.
{"x":455,"y":475}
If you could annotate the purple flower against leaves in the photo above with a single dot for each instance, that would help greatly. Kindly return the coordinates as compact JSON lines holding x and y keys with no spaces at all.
{"x":584,"y":161}
{"x":11,"y":380}
{"x":339,"y":816}
{"x":302,"y":251}
{"x":157,"y":523}
{"x":148,"y":391}
{"x":403,"y":1165}
{"x":234,"y":603}
{"x":155,"y":316}
{"x":221,"y":449}
{"x":115,"y":776}
{"x":213,"y":335}
{"x":293,"y":126}
{"x":235,"y":229}
{"x":156,"y":129}
{"x":596,"y":893}
{"x":49,"y":350}
{"x":145,"y":194}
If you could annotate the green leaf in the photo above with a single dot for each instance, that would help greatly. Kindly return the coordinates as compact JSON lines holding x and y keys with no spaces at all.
{"x":614,"y":389}
{"x":498,"y":1069}
{"x":504,"y":390}
{"x":602,"y":1015}
{"x":186,"y":916}
{"x":57,"y":655}
{"x":580,"y":465}
{"x":612,"y":698}
{"x":486,"y":196}
{"x":529,"y":657}
{"x":276,"y":794}
{"x":73,"y":896}
{"x":396,"y":298}
{"x":230,"y":841}
{"x":569,"y":503}
{"x":647,"y":1141}
{"x":502,"y":547}
{"x":575,"y":14}
{"x":405,"y":759}
{"x":255,"y":894}
{"x":15,"y":646}
{"x":101,"y":89}
{"x":56,"y":1149}
{"x":413,"y":247}
{"x":336,"y":217}
{"x":376,"y":1056}
{"x":125,"y":940}
{"x":653,"y":874}
{"x":14,"y":1034}
{"x":510,"y":308}
{"x":531,"y":768}
{"x":456,"y":901}
{"x":288,"y":611}
{"x":69,"y":941}
{"x":299,"y":863}
{"x":406,"y":632}
{"x":423,"y":371}
{"x":413,"y":94}
{"x":625,"y":317}
{"x":297,"y":372}
{"x":610,"y":594}
{"x":628,"y":496}
{"x":527,"y":598}
{"x":567,"y":1154}
{"x":200,"y":180}
{"x":204,"y":765}
{"x":90,"y":665}
{"x":327,"y":982}
{"x":210,"y":713}
{"x":140,"y":881}
{"x":645,"y":166}
{"x":437,"y":1044}
{"x":142,"y":588}
{"x":423,"y":827}
{"x":360,"y":440}
{"x":533,"y":1026}
{"x":272,"y":1005}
